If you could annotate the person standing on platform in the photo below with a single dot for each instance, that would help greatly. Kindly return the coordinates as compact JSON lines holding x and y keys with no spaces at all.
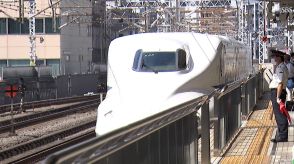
{"x":278,"y":94}
{"x":292,"y":57}
{"x":290,"y":82}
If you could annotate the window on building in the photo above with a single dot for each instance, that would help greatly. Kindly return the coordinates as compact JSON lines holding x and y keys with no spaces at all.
{"x":40,"y":25}
{"x":3,"y":63}
{"x":3,"y":29}
{"x":40,"y":62}
{"x":95,"y":55}
{"x":52,"y":62}
{"x":49,"y":25}
{"x":89,"y":30}
{"x":19,"y":62}
{"x":25,"y":27}
{"x":57,"y":25}
{"x":55,"y":66}
{"x":13,"y":26}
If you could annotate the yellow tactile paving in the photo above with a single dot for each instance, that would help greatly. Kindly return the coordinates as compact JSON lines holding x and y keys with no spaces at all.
{"x":268,"y":115}
{"x":252,"y":159}
{"x":267,"y":143}
{"x":260,"y":123}
{"x":264,"y":121}
{"x":267,"y":119}
{"x":257,"y":144}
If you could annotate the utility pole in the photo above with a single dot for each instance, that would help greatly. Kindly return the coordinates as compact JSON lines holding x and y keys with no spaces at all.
{"x":145,"y":17}
{"x":178,"y":17}
{"x":21,"y":10}
{"x":32,"y":29}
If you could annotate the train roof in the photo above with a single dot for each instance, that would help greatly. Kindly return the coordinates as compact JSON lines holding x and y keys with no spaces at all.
{"x":194,"y":43}
{"x":174,"y":36}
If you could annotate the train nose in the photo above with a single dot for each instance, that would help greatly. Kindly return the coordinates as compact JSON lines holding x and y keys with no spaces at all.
{"x":112,"y":116}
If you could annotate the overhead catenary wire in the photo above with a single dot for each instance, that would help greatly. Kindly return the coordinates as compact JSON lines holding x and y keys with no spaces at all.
{"x":155,"y":7}
{"x":16,"y":8}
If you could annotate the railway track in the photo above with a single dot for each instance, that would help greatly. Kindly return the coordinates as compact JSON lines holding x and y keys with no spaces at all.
{"x":32,"y":119}
{"x":42,"y":103}
{"x":38,"y":149}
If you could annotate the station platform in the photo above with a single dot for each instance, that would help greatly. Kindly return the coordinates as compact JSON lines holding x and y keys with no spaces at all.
{"x":253,"y":145}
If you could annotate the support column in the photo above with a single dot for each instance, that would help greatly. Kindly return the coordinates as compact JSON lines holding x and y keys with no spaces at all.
{"x":32,"y":29}
{"x":205,"y":133}
{"x":262,"y":19}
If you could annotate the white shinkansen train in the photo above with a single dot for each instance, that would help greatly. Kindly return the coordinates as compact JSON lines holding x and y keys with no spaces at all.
{"x":152,"y":72}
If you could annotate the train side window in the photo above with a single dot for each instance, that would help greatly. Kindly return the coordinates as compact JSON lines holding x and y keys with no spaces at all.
{"x":181,"y":59}
{"x":136,"y":60}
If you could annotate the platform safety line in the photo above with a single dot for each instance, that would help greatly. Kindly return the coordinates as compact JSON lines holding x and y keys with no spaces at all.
{"x":256,"y":159}
{"x":237,"y":160}
{"x":262,"y":102}
{"x":258,"y":142}
{"x":268,"y":116}
{"x":261,"y":141}
{"x":266,"y":120}
{"x":269,"y":112}
{"x":267,"y":143}
{"x":257,"y":152}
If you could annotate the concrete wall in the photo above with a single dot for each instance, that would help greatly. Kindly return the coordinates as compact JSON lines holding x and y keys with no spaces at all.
{"x":75,"y":85}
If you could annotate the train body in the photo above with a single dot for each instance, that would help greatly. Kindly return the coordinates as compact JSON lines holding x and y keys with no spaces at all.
{"x":152,"y":72}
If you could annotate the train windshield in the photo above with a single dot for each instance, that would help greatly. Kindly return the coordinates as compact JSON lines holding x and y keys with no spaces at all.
{"x":159,"y":61}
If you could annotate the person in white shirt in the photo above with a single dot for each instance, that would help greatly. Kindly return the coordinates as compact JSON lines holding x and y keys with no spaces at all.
{"x":278,"y":94}
{"x":290,"y":82}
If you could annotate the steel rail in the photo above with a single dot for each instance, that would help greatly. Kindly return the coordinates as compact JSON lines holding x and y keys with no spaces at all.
{"x":46,"y":115}
{"x":42,"y":103}
{"x":36,"y":156}
{"x":31,"y":147}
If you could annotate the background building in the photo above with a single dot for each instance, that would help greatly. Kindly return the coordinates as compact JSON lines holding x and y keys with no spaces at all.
{"x":70,"y":40}
{"x":14,"y":36}
{"x":82,"y":37}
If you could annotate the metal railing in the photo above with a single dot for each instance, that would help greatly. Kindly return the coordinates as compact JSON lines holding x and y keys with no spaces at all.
{"x":230,"y":107}
{"x":172,"y":136}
